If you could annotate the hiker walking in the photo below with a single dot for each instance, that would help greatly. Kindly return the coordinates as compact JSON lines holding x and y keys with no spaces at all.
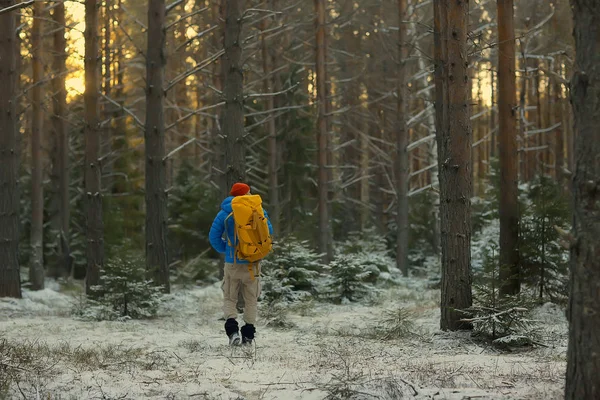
{"x":242,"y":231}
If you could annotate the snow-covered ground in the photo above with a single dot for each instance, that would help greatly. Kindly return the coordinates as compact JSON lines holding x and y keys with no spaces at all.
{"x":329,"y":353}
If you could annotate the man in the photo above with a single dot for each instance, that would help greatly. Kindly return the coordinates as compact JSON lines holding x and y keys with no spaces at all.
{"x":237,"y":276}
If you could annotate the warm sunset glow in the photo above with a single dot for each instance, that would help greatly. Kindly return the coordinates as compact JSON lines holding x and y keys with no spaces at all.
{"x":75,"y":82}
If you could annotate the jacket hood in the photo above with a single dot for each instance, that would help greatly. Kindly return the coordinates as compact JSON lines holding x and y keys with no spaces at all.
{"x":226,"y":205}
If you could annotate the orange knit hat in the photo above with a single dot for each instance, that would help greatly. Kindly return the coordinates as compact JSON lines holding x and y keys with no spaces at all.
{"x":239,"y":189}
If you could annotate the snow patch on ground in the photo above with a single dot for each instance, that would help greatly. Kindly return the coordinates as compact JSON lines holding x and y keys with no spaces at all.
{"x":183,"y":353}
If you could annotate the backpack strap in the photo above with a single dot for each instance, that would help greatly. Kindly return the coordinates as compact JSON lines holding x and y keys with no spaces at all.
{"x":234,"y":237}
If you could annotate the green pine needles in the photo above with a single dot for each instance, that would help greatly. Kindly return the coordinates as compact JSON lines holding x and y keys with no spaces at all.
{"x":123,"y":293}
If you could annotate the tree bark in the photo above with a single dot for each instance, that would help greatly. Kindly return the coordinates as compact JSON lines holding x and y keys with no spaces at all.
{"x":493,"y":124}
{"x":93,"y":167}
{"x":232,"y":119}
{"x":559,"y":139}
{"x":60,"y":166}
{"x":36,"y":268}
{"x":273,"y":167}
{"x":157,"y":258}
{"x":402,"y":165}
{"x":583,"y":355}
{"x":509,"y":212}
{"x":325,"y":233}
{"x":108,"y":114}
{"x":454,"y":137}
{"x":10,"y":283}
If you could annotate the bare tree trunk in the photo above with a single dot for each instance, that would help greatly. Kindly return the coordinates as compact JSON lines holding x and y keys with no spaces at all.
{"x":120,"y":131}
{"x":559,"y":140}
{"x":524,"y":158}
{"x":93,"y":167}
{"x":10,"y":282}
{"x":509,"y":212}
{"x":432,"y":154}
{"x":273,"y":167}
{"x":107,"y":108}
{"x":325,"y":233}
{"x":583,"y":356}
{"x":60,"y":166}
{"x":454,"y":138}
{"x":402,"y":171}
{"x":232,"y":119}
{"x":36,"y":268}
{"x":157,"y":258}
{"x":365,"y":183}
{"x":493,"y":125}
{"x":568,"y":128}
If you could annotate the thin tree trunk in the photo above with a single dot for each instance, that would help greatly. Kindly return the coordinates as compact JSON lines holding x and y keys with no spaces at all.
{"x":325,"y":233}
{"x":232,"y":119}
{"x":61,"y":154}
{"x":540,"y":138}
{"x":482,"y":148}
{"x":559,"y":140}
{"x":493,"y":124}
{"x":215,"y":128}
{"x":432,"y":154}
{"x":93,"y":167}
{"x":107,"y":108}
{"x":583,"y":355}
{"x":365,"y":183}
{"x":402,"y":165}
{"x":36,"y":268}
{"x":120,"y":132}
{"x":453,"y":131}
{"x":525,"y":158}
{"x":509,"y":212}
{"x":273,"y":167}
{"x":567,"y":127}
{"x":10,"y":282}
{"x":157,"y":258}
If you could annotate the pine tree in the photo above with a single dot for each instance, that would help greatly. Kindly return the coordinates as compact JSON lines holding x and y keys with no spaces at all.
{"x":157,"y":257}
{"x":10,"y":280}
{"x":583,"y":356}
{"x":453,"y":132}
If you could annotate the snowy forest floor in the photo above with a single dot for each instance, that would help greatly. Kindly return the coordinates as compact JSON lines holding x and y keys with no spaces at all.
{"x":329,"y":353}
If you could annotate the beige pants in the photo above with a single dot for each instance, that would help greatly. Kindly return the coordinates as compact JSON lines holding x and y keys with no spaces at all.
{"x":238,"y":278}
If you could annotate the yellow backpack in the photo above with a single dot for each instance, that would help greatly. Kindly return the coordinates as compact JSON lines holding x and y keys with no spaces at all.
{"x":251,"y":229}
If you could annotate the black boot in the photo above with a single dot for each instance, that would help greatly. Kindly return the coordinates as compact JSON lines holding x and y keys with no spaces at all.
{"x":232,"y":331}
{"x":248,"y":332}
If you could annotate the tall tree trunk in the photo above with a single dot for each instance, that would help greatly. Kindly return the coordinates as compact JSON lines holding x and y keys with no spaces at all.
{"x":10,"y":282}
{"x":120,"y":131}
{"x":216,"y":163}
{"x":157,"y":259}
{"x":583,"y":355}
{"x":107,"y":107}
{"x":559,"y":140}
{"x":568,"y":128}
{"x":36,"y":268}
{"x":482,"y":148}
{"x":453,"y":131}
{"x":232,"y":119}
{"x":402,"y":166}
{"x":493,"y":125}
{"x":60,"y":166}
{"x":365,"y":183}
{"x":273,"y":167}
{"x":93,"y":167}
{"x":432,"y":154}
{"x":525,"y":158}
{"x":325,"y":233}
{"x":509,"y":212}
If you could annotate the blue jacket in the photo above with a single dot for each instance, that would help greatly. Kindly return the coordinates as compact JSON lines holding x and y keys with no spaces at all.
{"x":217,"y":231}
